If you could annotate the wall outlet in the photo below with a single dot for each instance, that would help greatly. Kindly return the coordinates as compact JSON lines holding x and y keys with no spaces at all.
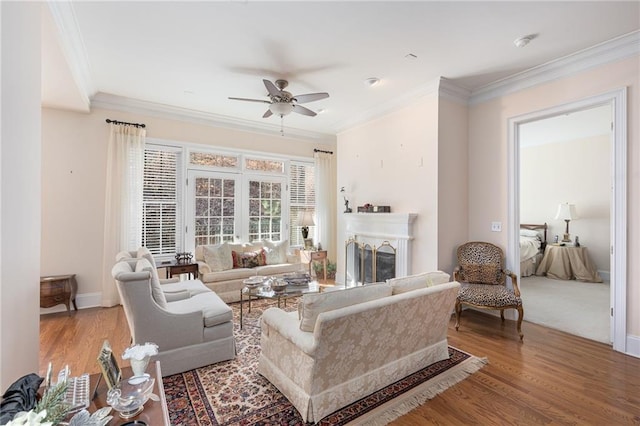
{"x":496,"y":226}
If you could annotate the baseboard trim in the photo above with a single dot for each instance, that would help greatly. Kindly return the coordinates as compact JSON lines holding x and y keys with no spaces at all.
{"x":84,"y":301}
{"x":633,"y":346}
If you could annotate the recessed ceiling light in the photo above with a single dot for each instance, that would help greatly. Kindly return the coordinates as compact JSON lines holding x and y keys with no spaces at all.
{"x":371,"y":81}
{"x":524,"y":40}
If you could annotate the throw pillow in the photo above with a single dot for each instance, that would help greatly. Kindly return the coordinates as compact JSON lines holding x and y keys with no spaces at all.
{"x":253,"y":259}
{"x":144,"y":252}
{"x":218,"y":257}
{"x":276,"y":251}
{"x":314,"y":304}
{"x":414,"y":282}
{"x":157,"y":294}
{"x":237,"y":261}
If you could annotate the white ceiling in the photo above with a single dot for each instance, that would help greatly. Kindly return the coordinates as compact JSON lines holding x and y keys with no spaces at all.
{"x":194,"y":55}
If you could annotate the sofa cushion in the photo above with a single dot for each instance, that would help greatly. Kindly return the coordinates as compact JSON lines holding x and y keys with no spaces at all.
{"x":231,"y":274}
{"x":315,"y":304}
{"x":277,"y":269}
{"x":252,"y":259}
{"x":218,"y":257}
{"x":414,"y":282}
{"x":192,"y":287}
{"x":157,"y":294}
{"x":214,"y":310}
{"x":276,"y":251}
{"x":144,"y":253}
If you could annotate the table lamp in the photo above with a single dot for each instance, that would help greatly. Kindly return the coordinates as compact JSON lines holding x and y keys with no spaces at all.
{"x":566,"y":212}
{"x":305,"y":219}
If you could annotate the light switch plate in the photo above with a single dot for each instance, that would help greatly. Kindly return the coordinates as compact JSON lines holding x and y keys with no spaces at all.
{"x":496,"y":226}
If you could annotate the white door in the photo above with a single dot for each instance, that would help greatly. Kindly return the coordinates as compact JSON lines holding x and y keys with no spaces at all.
{"x":213,"y":203}
{"x":267,"y":208}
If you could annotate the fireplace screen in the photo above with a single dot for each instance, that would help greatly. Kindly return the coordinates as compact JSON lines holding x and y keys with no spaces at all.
{"x":369,"y":264}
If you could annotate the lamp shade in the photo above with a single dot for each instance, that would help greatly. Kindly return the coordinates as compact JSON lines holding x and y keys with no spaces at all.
{"x":566,"y":211}
{"x":305,"y":219}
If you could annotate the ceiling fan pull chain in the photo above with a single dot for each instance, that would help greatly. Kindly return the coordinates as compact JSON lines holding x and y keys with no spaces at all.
{"x":281,"y":125}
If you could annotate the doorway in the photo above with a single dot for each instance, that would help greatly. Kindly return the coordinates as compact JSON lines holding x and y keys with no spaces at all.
{"x":617,"y":101}
{"x":565,"y":159}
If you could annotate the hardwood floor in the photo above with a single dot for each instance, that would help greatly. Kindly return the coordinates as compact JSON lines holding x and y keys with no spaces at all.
{"x":550,"y":378}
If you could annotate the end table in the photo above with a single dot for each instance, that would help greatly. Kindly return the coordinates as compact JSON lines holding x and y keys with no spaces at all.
{"x":57,"y":289}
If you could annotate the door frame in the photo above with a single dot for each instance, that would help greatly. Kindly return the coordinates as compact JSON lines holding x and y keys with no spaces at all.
{"x":618,"y":101}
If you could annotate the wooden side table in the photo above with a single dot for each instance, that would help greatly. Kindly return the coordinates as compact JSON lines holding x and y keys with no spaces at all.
{"x":57,"y":289}
{"x":316,"y":256}
{"x":175,"y":268}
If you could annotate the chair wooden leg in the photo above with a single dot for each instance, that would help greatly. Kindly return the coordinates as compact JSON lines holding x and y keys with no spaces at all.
{"x":458,"y":310}
{"x":519,"y":323}
{"x":502,"y":314}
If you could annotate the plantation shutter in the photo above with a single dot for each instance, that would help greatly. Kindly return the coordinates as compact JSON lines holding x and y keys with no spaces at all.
{"x":302,"y":198}
{"x":161,"y":220}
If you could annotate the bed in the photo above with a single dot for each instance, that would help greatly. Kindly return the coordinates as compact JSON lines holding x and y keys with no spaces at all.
{"x":533,"y":240}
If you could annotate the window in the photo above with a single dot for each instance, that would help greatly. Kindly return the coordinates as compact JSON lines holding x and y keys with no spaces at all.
{"x":265,"y":210}
{"x":160,"y":211}
{"x":303,"y":198}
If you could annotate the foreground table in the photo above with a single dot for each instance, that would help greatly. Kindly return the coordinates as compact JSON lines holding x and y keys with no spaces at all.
{"x":154,"y":413}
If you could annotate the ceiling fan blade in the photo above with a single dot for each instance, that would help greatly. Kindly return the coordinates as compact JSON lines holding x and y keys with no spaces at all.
{"x":271,"y":88}
{"x":250,"y":100}
{"x":267,"y":114}
{"x":303,"y":110}
{"x":310,"y":97}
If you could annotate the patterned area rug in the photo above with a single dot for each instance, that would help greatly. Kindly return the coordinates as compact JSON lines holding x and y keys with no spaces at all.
{"x":233,"y":393}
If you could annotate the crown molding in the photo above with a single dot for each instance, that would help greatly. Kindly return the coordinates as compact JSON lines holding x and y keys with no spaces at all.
{"x":136,"y":106}
{"x":451,"y":91}
{"x":72,"y":45}
{"x":389,"y":107}
{"x":613,"y":50}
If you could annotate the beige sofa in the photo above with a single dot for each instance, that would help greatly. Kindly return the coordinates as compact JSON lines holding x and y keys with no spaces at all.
{"x":352,"y":342}
{"x":191,"y":330}
{"x":219,"y":272}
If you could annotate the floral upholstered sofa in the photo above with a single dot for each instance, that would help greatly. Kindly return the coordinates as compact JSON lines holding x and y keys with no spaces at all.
{"x":344,"y":345}
{"x":223,"y":267}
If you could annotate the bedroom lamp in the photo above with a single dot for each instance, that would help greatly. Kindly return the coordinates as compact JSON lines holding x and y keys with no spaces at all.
{"x":305,"y":219}
{"x":566,"y":212}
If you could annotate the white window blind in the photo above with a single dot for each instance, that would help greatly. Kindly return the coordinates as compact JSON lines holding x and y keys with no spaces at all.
{"x":161,"y":219}
{"x":302,"y":198}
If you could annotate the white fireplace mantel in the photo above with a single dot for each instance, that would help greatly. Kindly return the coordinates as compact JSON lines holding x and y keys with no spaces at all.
{"x":377,"y":228}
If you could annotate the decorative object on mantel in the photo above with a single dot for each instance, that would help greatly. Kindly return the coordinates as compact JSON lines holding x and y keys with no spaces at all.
{"x":184,"y":257}
{"x":347,"y":209}
{"x":370,"y":208}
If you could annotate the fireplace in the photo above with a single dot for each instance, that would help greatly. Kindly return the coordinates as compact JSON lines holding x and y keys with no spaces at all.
{"x":378,"y":247}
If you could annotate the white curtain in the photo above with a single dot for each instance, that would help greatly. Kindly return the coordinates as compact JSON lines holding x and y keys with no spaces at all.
{"x":325,"y":202}
{"x":123,"y":201}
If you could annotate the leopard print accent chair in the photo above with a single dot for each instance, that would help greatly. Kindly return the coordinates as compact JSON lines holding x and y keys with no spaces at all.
{"x":483,"y":280}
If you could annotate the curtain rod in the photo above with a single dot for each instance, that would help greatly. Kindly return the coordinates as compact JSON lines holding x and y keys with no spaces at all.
{"x":126,"y":124}
{"x":320,"y":150}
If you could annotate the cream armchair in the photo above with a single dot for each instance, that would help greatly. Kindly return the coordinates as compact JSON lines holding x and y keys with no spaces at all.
{"x":191,"y":331}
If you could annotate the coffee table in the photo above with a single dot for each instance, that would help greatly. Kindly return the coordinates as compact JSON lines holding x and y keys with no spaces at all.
{"x":247,"y":293}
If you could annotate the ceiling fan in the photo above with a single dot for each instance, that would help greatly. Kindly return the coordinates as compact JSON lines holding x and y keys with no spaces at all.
{"x":282,"y":102}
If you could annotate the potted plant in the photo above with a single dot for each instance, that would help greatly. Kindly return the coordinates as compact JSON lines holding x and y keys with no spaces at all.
{"x":331,"y":270}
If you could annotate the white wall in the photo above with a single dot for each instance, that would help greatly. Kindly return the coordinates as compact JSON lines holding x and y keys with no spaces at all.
{"x":74,"y":147}
{"x":20,"y":193}
{"x":393,"y":160}
{"x":577,"y":172}
{"x":488,"y":138}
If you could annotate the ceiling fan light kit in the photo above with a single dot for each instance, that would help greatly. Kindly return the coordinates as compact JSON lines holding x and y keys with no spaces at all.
{"x":282,"y":103}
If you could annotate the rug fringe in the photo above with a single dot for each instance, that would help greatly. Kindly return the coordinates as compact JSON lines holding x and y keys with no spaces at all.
{"x":433,"y":388}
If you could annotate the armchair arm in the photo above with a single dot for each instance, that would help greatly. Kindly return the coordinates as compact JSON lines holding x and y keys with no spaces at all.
{"x":176,"y":295}
{"x":514,"y":281}
{"x":203,"y":268}
{"x":456,"y":273}
{"x":275,"y":320}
